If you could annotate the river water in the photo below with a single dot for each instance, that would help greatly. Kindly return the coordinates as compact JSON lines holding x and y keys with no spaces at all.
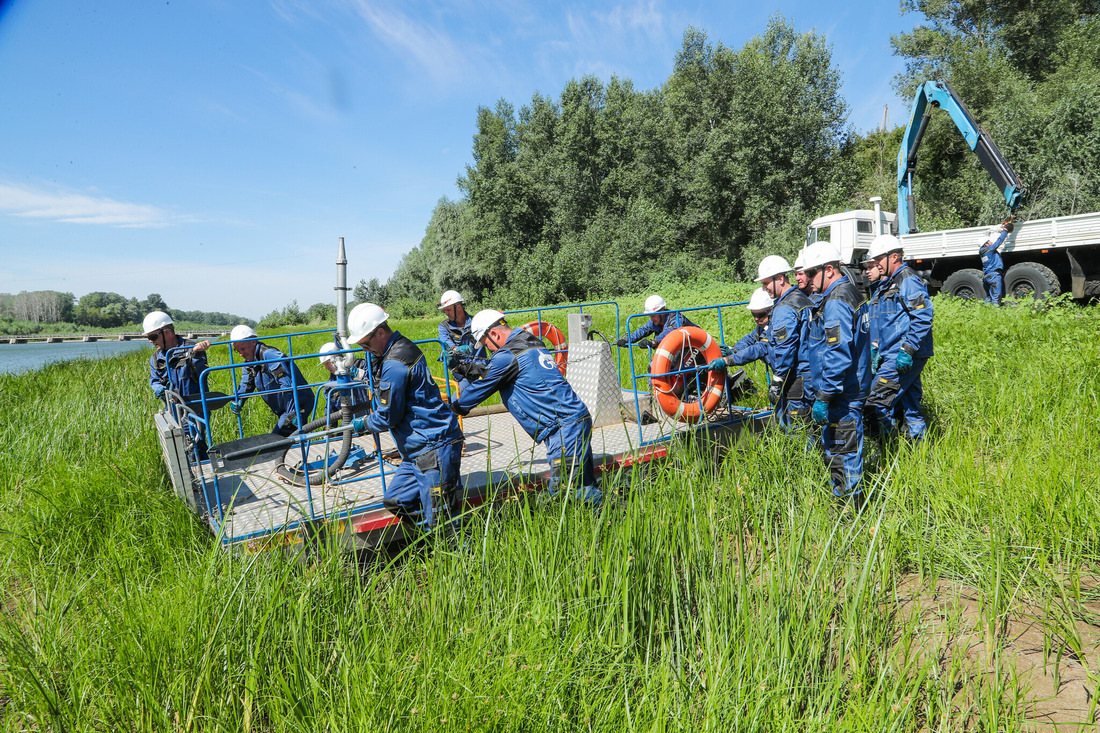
{"x":16,"y":358}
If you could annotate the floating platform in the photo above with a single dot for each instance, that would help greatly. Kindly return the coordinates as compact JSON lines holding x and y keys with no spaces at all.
{"x":254,"y":507}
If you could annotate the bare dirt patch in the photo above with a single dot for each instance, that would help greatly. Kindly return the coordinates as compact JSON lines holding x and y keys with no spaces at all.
{"x":1044,"y":660}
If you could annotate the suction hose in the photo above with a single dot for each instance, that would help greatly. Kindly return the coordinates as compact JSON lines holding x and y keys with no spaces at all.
{"x":295,"y":475}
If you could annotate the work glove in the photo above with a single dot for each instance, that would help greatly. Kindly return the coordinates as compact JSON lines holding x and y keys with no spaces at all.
{"x":726,"y":350}
{"x":717,"y":365}
{"x":359,"y":424}
{"x":452,"y":360}
{"x":775,"y":391}
{"x":357,"y":373}
{"x":236,"y":406}
{"x":904,"y":362}
{"x":647,"y":344}
{"x":821,"y":412}
{"x":622,"y":343}
{"x":457,"y":409}
{"x":874,"y":358}
{"x":464,"y":351}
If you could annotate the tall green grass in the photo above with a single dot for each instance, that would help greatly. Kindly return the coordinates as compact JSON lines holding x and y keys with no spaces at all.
{"x":725,"y":591}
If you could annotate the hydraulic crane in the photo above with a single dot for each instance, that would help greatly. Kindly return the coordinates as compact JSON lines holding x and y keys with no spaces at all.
{"x":937,"y":93}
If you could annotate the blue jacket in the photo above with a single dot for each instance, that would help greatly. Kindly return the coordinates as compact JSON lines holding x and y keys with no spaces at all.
{"x":407,"y":402}
{"x":675,"y":320}
{"x":901,"y":315}
{"x":453,"y":335}
{"x":275,"y":371}
{"x":182,"y":375}
{"x":530,"y":385}
{"x":840,"y":344}
{"x":991,"y":255}
{"x":784,"y":343}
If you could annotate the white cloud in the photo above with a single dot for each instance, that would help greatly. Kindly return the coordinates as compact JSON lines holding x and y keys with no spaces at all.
{"x":78,"y":208}
{"x":430,"y":47}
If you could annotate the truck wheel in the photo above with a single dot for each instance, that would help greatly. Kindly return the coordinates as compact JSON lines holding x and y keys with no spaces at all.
{"x":964,"y":284}
{"x":1031,"y":278}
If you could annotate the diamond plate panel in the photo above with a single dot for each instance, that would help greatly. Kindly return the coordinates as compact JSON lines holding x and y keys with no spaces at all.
{"x":591,"y":373}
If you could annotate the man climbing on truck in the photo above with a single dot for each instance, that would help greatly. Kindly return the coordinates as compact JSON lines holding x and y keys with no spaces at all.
{"x":993,"y":267}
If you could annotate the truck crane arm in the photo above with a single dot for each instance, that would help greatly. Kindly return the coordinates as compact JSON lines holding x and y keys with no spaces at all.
{"x":941,"y":94}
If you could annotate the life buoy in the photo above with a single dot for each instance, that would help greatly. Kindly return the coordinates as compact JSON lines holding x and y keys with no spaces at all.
{"x":670,"y":387}
{"x":553,"y":334}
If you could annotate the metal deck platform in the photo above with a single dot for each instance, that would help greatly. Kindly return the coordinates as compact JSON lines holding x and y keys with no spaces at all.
{"x":498,"y":455}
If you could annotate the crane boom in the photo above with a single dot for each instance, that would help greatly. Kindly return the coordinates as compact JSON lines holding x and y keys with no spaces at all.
{"x":941,"y":94}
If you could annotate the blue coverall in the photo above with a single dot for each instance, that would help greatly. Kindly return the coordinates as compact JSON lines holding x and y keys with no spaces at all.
{"x":407,"y":403}
{"x":784,"y":344}
{"x":467,"y":367}
{"x":275,"y":372}
{"x":181,"y":375}
{"x":533,"y":389}
{"x":840,"y":356}
{"x":993,"y":268}
{"x":675,"y":320}
{"x":901,"y":320}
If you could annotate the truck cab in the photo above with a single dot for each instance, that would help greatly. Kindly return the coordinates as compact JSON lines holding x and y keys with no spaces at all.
{"x":851,"y":231}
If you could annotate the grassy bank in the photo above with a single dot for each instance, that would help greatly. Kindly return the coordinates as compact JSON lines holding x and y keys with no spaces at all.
{"x":721,"y":595}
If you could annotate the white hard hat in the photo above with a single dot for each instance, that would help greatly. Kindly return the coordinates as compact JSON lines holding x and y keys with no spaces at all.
{"x":325,"y":352}
{"x":760,"y":300}
{"x":883,"y":244}
{"x":653,"y":304}
{"x":363,"y":319}
{"x":483,"y":322}
{"x":771,"y":266}
{"x":800,"y":261}
{"x":155,"y":321}
{"x":449,"y":298}
{"x":820,"y":254}
{"x":241,"y":333}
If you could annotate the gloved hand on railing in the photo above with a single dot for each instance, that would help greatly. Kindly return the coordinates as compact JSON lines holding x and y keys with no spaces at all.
{"x":359,"y":424}
{"x":236,"y":406}
{"x":622,"y":343}
{"x":717,"y":365}
{"x":647,"y":344}
{"x":726,"y":350}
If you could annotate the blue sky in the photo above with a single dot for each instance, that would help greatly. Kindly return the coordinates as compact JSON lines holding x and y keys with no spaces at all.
{"x":213,"y":151}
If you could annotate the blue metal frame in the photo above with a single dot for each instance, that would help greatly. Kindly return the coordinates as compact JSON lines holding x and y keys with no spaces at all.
{"x":635,"y":377}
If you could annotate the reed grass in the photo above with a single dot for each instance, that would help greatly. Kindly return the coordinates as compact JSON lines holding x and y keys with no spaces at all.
{"x":724,"y":590}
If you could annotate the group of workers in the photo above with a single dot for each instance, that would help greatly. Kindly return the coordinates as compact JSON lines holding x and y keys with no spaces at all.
{"x":837,"y":360}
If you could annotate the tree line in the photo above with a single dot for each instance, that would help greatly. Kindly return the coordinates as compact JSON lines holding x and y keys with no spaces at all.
{"x":606,"y":188}
{"x":33,"y":311}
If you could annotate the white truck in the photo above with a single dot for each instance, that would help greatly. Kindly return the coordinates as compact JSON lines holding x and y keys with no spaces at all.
{"x":1043,"y":256}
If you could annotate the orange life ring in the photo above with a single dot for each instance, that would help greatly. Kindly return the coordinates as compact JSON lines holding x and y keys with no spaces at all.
{"x":669,"y":387}
{"x":549,"y":331}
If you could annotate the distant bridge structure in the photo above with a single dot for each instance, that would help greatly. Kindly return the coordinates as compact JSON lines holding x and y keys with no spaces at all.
{"x":56,"y":338}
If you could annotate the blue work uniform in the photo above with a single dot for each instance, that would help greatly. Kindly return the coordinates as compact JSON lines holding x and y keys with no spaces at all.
{"x":407,"y":403}
{"x":784,"y":345}
{"x":840,"y":366}
{"x":675,"y":320}
{"x":993,"y":268}
{"x":533,"y":389}
{"x":901,"y":320}
{"x":466,"y":368}
{"x":178,"y":370}
{"x":273,"y":371}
